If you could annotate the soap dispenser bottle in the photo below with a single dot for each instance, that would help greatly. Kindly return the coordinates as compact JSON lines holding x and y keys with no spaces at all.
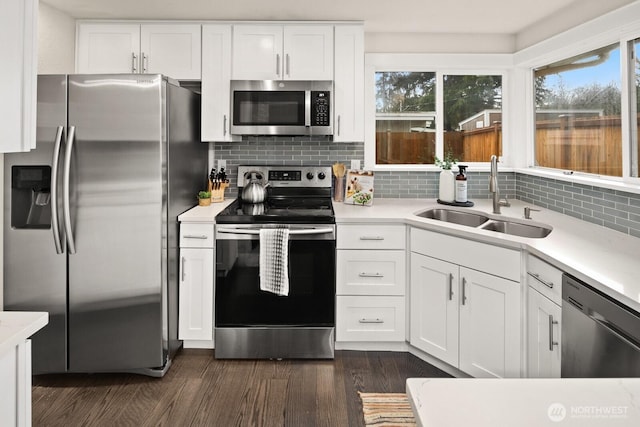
{"x":461,"y":185}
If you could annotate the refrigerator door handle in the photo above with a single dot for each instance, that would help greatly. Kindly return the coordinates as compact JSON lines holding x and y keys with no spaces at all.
{"x":65,"y":191}
{"x":54,"y":190}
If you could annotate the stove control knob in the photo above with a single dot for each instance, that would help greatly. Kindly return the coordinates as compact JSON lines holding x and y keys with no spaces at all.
{"x":321,"y":175}
{"x":309,"y":175}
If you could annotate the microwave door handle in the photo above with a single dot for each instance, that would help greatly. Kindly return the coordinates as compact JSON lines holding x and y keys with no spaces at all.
{"x":307,"y":108}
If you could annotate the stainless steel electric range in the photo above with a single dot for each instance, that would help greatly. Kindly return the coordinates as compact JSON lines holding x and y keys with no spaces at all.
{"x":255,"y":324}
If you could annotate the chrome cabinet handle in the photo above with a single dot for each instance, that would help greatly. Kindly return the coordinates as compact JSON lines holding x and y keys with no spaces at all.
{"x":450,"y":286}
{"x":57,"y":240}
{"x":371,"y":238}
{"x":134,"y":59}
{"x":224,"y":125}
{"x":464,"y":291}
{"x":338,"y":126}
{"x":537,"y":277}
{"x":363,"y":274}
{"x":288,"y":64}
{"x":376,"y":320}
{"x":145,"y":63}
{"x":66,"y":208}
{"x":277,"y":64}
{"x":551,"y":341}
{"x":182,"y":263}
{"x":196,"y":236}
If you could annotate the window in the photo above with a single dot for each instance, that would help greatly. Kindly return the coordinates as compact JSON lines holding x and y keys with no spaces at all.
{"x":578,"y":113}
{"x":407,"y":129}
{"x":405,"y":117}
{"x":473,"y":117}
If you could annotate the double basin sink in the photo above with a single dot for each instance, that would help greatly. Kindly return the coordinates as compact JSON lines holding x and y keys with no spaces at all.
{"x":484,"y":222}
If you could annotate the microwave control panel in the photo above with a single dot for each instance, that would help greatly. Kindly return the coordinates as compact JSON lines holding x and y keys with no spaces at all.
{"x":320,"y":102}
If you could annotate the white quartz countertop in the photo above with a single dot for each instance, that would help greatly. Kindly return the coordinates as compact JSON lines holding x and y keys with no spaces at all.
{"x":584,"y":402}
{"x":17,"y":326}
{"x":604,"y":258}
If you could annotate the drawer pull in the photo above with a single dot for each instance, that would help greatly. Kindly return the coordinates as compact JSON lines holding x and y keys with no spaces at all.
{"x":537,"y":277}
{"x":363,"y":274}
{"x":196,"y":236}
{"x":371,"y":238}
{"x":376,"y":320}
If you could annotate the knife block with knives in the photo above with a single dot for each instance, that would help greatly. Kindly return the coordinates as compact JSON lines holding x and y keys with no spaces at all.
{"x":218,"y":182}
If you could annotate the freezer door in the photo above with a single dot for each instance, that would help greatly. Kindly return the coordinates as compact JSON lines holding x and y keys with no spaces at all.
{"x":35,"y":276}
{"x":117,"y":204}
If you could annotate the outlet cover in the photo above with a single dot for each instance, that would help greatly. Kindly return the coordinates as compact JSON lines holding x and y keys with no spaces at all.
{"x":355,"y":164}
{"x":222,"y":164}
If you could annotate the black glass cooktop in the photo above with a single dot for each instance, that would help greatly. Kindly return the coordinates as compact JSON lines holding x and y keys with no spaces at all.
{"x":315,"y":210}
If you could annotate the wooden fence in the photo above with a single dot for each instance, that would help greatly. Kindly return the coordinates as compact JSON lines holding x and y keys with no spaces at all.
{"x":592,"y":145}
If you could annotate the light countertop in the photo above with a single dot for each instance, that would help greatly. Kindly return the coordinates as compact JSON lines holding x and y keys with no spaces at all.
{"x":494,"y":402}
{"x":17,"y":326}
{"x":604,"y":258}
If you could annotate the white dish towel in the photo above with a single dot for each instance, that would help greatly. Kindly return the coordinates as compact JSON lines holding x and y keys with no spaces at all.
{"x":274,"y":260}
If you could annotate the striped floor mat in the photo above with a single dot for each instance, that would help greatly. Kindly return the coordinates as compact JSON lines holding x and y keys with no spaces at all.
{"x":386,"y":410}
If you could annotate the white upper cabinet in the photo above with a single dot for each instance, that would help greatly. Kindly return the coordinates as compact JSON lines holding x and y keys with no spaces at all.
{"x":170,"y":49}
{"x":349,"y":84}
{"x":216,"y":77}
{"x":277,"y":52}
{"x":18,"y":74}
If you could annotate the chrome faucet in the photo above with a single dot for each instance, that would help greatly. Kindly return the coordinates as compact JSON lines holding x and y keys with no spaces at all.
{"x":493,"y":187}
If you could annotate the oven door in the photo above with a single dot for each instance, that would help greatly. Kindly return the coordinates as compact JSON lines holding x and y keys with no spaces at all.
{"x":312,"y":288}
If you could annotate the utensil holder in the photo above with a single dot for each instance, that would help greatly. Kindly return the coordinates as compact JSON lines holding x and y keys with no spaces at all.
{"x":338,"y":188}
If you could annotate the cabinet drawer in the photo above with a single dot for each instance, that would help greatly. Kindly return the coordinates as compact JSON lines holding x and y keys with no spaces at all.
{"x":371,"y":236}
{"x":372,"y":318}
{"x":494,"y":260}
{"x":196,"y":235}
{"x":545,"y":278}
{"x":370,"y":272}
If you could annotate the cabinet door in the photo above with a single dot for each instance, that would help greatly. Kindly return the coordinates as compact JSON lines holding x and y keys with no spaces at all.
{"x":216,"y":77}
{"x":308,"y":52}
{"x":348,"y":97}
{"x":171,"y":49}
{"x":543,"y":336}
{"x":195,"y":311}
{"x":257,"y":52}
{"x":108,"y":48}
{"x":18,"y":74}
{"x":434,"y":307}
{"x":489,"y":325}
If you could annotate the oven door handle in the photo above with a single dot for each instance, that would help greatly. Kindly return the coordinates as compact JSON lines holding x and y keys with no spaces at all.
{"x":255,"y":231}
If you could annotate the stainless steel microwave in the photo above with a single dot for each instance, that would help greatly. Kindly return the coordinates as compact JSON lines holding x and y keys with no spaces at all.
{"x":270,"y":107}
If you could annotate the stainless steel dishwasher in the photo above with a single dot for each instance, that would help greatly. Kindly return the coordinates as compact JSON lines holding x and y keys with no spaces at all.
{"x":600,"y":336}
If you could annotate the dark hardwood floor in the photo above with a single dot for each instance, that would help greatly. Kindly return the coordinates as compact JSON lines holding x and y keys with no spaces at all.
{"x":199,"y":390}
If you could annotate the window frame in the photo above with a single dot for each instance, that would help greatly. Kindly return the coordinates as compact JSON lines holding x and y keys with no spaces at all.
{"x":441,"y":64}
{"x":615,"y":28}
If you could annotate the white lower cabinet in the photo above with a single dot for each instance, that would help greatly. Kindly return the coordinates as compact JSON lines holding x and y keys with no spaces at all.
{"x":370,"y":318}
{"x":371,"y":283}
{"x":196,"y":282}
{"x":467,"y":318}
{"x":543,"y":331}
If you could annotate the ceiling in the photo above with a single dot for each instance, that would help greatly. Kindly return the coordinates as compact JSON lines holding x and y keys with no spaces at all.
{"x":391,"y":16}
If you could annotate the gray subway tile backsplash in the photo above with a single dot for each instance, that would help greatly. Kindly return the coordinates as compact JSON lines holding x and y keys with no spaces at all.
{"x":614,"y":209}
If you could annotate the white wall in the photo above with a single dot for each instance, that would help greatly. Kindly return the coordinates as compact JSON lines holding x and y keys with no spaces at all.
{"x":438,"y":43}
{"x":56,"y":41}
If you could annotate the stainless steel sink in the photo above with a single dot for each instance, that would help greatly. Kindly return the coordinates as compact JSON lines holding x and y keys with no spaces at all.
{"x":517,"y":229}
{"x":469,"y":219}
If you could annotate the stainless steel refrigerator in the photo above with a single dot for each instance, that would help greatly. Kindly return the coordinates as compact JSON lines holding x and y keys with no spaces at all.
{"x":90,"y":220}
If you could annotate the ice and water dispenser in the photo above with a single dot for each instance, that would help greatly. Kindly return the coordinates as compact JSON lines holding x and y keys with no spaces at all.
{"x":30,"y":197}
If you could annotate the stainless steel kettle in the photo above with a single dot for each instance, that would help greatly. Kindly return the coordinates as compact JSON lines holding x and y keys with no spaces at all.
{"x":255,"y":191}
